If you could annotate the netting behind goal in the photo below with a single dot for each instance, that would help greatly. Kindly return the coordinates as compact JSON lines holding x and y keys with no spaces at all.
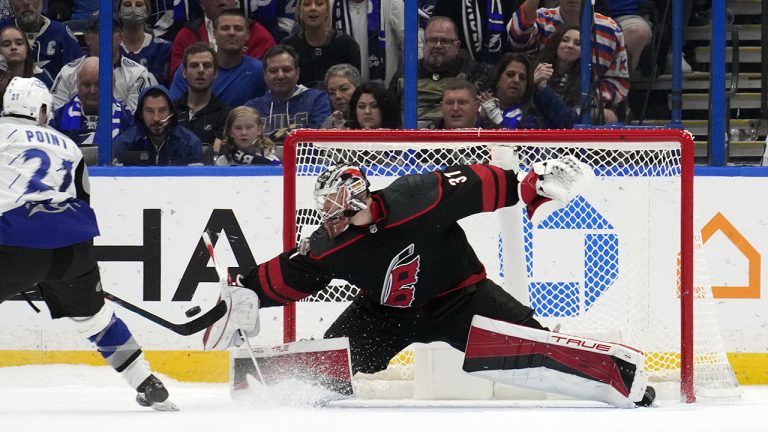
{"x":611,"y":265}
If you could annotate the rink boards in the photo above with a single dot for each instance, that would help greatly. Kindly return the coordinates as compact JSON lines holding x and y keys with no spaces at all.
{"x":151,"y":222}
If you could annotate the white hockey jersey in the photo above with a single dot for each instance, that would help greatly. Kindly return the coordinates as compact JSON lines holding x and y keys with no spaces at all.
{"x":130,"y":79}
{"x":43,"y":188}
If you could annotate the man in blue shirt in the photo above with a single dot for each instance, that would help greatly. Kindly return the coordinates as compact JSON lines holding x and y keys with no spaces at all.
{"x":239,"y":77}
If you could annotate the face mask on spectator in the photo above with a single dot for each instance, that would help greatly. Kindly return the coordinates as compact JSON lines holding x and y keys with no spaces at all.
{"x":133,"y":15}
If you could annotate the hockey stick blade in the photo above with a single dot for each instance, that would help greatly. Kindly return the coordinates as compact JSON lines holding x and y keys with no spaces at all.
{"x":185,"y":329}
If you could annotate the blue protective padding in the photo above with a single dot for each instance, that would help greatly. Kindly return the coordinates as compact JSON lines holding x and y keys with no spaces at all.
{"x":736,"y":171}
{"x":112,"y":338}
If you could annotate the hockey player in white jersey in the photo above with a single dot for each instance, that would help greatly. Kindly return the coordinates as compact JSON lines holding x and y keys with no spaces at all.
{"x":46,"y":234}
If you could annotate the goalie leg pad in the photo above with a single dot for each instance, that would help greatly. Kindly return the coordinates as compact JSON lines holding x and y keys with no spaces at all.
{"x":573,"y":366}
{"x":322,"y":363}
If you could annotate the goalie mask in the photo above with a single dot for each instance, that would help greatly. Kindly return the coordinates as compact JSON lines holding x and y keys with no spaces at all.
{"x":340,"y":192}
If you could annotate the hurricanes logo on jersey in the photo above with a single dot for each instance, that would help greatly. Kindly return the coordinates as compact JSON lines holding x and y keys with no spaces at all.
{"x":402,"y":275}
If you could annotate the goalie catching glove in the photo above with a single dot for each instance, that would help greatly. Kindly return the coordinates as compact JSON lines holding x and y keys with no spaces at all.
{"x":242,"y":313}
{"x":555,"y":181}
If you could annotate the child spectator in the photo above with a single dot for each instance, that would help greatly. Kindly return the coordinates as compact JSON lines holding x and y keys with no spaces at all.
{"x":15,"y":49}
{"x":52,"y":43}
{"x":244,"y":142}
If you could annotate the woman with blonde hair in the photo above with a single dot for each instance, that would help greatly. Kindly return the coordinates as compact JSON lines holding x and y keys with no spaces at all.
{"x":244,"y":142}
{"x":319,"y":46}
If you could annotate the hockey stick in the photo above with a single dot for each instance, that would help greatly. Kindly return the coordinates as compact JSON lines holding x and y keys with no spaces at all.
{"x":225,"y":276}
{"x":185,"y":329}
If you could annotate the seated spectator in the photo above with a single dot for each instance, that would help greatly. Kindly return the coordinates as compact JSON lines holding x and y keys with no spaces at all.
{"x":441,"y":62}
{"x":52,"y":44}
{"x":239,"y":78}
{"x":341,"y":81}
{"x":481,"y":27}
{"x":259,"y":40}
{"x":156,"y":138}
{"x":15,"y":48}
{"x":460,"y":107}
{"x":199,"y":110}
{"x":378,"y":27}
{"x":631,"y":17}
{"x":78,"y":119}
{"x":244,"y":142}
{"x":557,"y":81}
{"x":130,"y":78}
{"x":508,"y":102}
{"x":287,"y":105}
{"x":372,"y":107}
{"x":318,"y":45}
{"x":141,"y":46}
{"x":531,"y":28}
{"x":694,"y":13}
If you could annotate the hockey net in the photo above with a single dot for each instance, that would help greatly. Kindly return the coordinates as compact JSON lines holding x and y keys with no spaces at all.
{"x":611,"y":265}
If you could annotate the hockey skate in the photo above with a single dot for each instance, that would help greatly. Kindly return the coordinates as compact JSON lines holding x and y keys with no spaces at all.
{"x":648,"y":397}
{"x":242,"y":313}
{"x":152,"y":393}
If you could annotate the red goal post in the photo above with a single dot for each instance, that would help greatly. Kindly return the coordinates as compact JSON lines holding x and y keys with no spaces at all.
{"x":306,"y":152}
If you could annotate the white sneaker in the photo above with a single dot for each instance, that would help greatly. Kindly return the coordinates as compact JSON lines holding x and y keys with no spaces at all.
{"x":242,"y":313}
{"x":684,"y":66}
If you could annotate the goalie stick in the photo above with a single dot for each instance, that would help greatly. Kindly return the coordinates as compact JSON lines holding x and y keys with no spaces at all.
{"x":226,"y":278}
{"x":185,"y":329}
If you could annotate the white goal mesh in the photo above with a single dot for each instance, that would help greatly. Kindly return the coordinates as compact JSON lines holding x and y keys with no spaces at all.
{"x":606,"y":266}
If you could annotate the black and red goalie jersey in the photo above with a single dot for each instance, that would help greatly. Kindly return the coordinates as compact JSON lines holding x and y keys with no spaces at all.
{"x":412,"y":252}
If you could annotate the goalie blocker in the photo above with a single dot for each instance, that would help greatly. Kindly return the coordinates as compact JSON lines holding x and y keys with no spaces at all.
{"x":573,"y":366}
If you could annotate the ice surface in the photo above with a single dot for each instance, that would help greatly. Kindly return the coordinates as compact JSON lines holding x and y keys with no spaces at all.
{"x":64,"y":398}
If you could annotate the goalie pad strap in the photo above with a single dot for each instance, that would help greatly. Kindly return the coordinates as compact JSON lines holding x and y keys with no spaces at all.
{"x":530,"y":195}
{"x":574,"y":366}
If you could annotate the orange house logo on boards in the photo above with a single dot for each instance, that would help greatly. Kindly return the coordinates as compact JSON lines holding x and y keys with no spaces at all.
{"x":752,"y":290}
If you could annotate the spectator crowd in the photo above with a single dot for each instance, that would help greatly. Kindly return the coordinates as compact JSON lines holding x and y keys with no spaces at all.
{"x":220,"y":82}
